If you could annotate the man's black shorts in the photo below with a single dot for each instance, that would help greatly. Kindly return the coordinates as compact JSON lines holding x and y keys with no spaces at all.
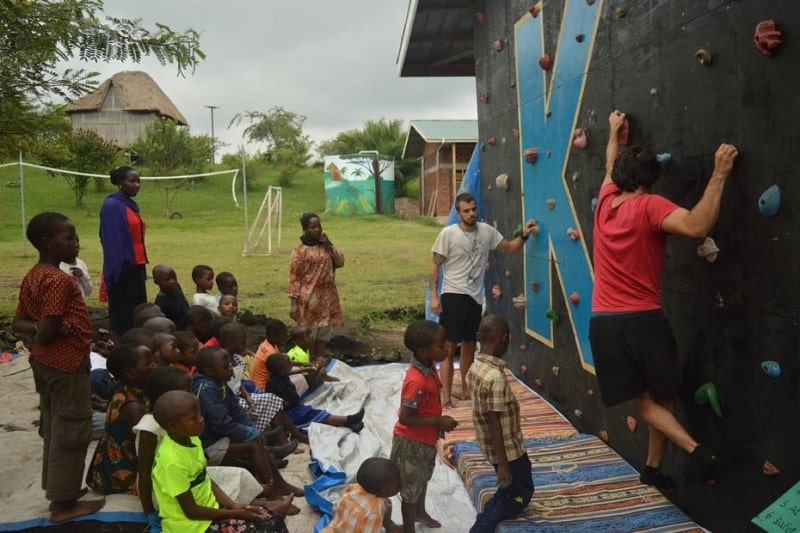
{"x":461,"y":316}
{"x":634,"y":353}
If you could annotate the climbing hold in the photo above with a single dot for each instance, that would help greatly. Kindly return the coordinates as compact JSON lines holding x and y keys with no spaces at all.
{"x":664,"y":160}
{"x":478,"y":62}
{"x":501,"y":181}
{"x":580,"y":37}
{"x":621,"y":13}
{"x":769,"y":469}
{"x":624,"y":133}
{"x":576,"y":176}
{"x":594,"y":204}
{"x":480,"y":16}
{"x":632,"y":424}
{"x":488,"y":265}
{"x":708,"y":250}
{"x":523,"y":369}
{"x":771,"y":368}
{"x":523,"y":347}
{"x":512,"y":84}
{"x":530,"y":155}
{"x":552,"y":316}
{"x":488,"y":187}
{"x":547,"y":154}
{"x":578,"y":414}
{"x":556,"y":371}
{"x":707,"y":394}
{"x":551,"y":203}
{"x":654,"y":91}
{"x":533,"y":11}
{"x":580,"y":138}
{"x":515,"y":133}
{"x":770,"y":201}
{"x":603,"y":434}
{"x":498,"y":45}
{"x":545,"y":62}
{"x":767,"y":37}
{"x":491,"y":141}
{"x":484,"y":98}
{"x":590,"y":392}
{"x":590,"y":2}
{"x":497,"y":292}
{"x":507,"y":273}
{"x":538,"y":382}
{"x":703,"y":57}
{"x":535,"y":286}
{"x":573,"y":234}
{"x":548,"y":113}
{"x":574,"y":298}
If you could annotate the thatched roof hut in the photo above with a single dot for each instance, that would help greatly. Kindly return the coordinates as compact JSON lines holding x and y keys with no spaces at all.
{"x":122,"y":106}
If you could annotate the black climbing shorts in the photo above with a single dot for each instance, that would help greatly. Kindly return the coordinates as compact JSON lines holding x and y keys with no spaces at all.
{"x":634,"y":353}
{"x":461,"y":316}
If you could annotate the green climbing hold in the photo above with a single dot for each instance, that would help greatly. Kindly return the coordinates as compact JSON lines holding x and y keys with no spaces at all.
{"x":518,"y":231}
{"x":552,"y":316}
{"x":707,"y":394}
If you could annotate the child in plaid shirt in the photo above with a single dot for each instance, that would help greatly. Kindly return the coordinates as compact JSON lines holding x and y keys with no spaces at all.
{"x":495,"y":413}
{"x":364,"y":507}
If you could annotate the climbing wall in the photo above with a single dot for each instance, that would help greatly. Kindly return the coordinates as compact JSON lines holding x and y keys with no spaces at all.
{"x":690,"y":75}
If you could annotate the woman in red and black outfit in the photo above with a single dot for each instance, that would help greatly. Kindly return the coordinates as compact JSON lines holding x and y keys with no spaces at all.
{"x":124,"y":256}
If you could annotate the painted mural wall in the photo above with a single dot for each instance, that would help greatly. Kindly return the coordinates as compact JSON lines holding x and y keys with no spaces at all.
{"x":350,"y":186}
{"x":690,"y":76}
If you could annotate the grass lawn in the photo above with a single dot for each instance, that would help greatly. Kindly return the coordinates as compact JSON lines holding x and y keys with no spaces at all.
{"x":387,"y":259}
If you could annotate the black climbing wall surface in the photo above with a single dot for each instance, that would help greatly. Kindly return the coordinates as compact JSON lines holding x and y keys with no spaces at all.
{"x":728,"y":316}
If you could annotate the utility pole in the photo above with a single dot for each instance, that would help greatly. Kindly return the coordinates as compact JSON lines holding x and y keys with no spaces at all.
{"x":213,"y":142}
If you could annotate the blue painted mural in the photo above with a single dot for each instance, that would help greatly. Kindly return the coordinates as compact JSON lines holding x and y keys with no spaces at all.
{"x":548,"y":114}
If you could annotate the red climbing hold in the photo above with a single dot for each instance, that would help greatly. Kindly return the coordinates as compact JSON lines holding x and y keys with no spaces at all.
{"x":574,"y":298}
{"x":533,"y":11}
{"x":538,"y":382}
{"x":491,"y":141}
{"x":530,"y":155}
{"x":624,"y":133}
{"x":579,"y":138}
{"x":632,"y":424}
{"x":523,"y":368}
{"x":515,"y":133}
{"x":573,"y":234}
{"x":535,"y":286}
{"x":545,"y":62}
{"x":498,"y":45}
{"x":480,"y":16}
{"x":770,"y":469}
{"x":767,"y":37}
{"x":497,"y":292}
{"x":590,"y":2}
{"x":484,"y":98}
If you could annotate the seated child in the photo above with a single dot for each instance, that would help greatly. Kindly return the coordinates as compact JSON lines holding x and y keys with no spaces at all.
{"x":203,"y":277}
{"x":226,"y":284}
{"x":198,"y":320}
{"x":168,"y":349}
{"x":420,"y":422}
{"x":216,"y":324}
{"x":144,"y":337}
{"x":114,"y":464}
{"x":302,"y":416}
{"x":277,"y":333}
{"x":180,"y":482}
{"x":228,"y":305}
{"x":170,"y":298}
{"x":236,"y":482}
{"x":78,"y":271}
{"x":160,"y":324}
{"x":101,"y":381}
{"x":228,"y":432}
{"x":300,"y":356}
{"x":144,"y":312}
{"x":364,"y":506}
{"x":188,"y":345}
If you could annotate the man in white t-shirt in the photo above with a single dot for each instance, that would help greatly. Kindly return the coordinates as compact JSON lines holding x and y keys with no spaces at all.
{"x":461,"y":250}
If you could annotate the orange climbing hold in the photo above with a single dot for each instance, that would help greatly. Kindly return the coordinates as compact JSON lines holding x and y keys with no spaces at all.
{"x":491,"y":141}
{"x":534,"y":11}
{"x":579,"y":138}
{"x":480,"y":16}
{"x":530,"y":155}
{"x":767,"y":38}
{"x":498,"y":45}
{"x":575,"y":298}
{"x":770,"y":469}
{"x":545,"y":62}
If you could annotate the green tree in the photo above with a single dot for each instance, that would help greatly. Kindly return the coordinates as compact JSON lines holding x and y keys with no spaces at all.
{"x":280,"y":131}
{"x":35,"y":35}
{"x":167,"y":149}
{"x":387,"y":137}
{"x":82,"y":151}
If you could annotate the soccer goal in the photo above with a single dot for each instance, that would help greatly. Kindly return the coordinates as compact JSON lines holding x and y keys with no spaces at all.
{"x":266,"y":224}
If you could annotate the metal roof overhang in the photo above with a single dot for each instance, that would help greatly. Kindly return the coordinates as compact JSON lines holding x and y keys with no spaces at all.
{"x":437,"y":39}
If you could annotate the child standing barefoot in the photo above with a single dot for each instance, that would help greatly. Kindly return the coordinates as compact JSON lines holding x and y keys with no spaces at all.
{"x":52,"y":311}
{"x":190,"y":502}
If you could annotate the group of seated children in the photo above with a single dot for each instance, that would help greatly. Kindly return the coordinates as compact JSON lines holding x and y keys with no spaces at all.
{"x":173,"y":303}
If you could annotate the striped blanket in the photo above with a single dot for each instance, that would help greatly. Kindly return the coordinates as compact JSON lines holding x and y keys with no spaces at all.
{"x":539,"y":418}
{"x":581,"y":485}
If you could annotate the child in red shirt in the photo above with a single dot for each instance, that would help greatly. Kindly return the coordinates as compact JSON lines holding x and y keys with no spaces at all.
{"x":420,"y":422}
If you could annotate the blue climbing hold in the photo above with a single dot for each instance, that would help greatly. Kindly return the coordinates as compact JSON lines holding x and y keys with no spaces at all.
{"x":664,"y":160}
{"x":771,"y":368}
{"x":594,"y":204}
{"x":770,"y":201}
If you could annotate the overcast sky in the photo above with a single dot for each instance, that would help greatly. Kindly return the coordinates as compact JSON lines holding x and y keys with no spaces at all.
{"x":333,"y":61}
